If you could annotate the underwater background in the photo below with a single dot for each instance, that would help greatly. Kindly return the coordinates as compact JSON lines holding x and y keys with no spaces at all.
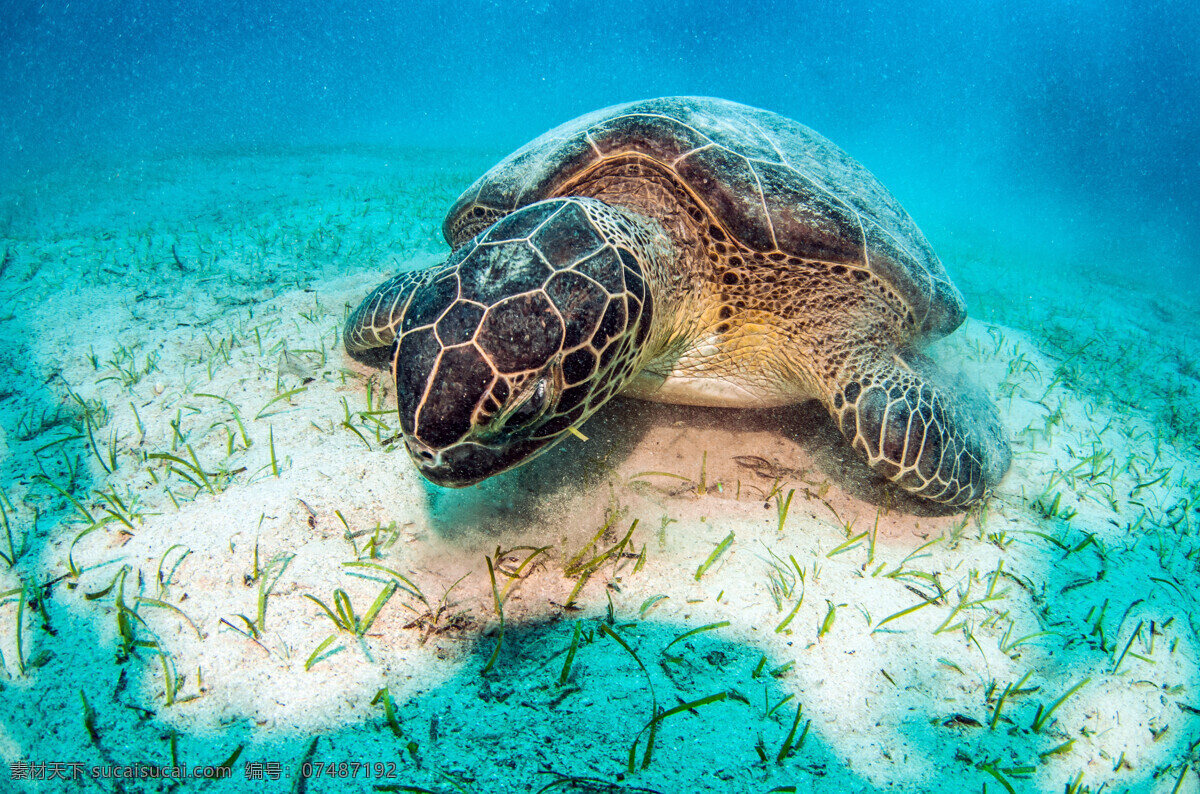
{"x":1076,"y":119}
{"x":193,"y":196}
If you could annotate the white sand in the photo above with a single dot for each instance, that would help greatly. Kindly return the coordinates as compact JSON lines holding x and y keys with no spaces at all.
{"x":274,"y":250}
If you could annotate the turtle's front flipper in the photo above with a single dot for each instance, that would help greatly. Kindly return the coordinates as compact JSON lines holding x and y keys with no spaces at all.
{"x":371,"y":329}
{"x":937,"y":441}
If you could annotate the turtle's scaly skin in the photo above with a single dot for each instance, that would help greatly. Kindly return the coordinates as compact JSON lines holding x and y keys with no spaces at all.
{"x":686,"y":250}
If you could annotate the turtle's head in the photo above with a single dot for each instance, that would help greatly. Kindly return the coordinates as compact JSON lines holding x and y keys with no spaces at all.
{"x":515,"y":341}
{"x":491,"y":443}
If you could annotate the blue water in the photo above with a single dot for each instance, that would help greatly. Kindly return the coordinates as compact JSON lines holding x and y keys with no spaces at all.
{"x":1030,"y":115}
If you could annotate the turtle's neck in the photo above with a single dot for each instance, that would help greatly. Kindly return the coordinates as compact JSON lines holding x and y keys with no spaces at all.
{"x":673,"y":283}
{"x":674,"y":261}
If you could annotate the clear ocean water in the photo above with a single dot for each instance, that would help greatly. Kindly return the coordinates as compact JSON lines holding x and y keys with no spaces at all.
{"x":1074,"y":119}
{"x":192,"y":197}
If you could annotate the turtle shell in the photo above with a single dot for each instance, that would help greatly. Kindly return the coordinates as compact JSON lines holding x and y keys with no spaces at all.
{"x":773,"y":184}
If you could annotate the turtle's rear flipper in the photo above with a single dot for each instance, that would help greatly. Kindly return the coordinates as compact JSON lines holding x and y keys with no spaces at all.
{"x":939,"y":441}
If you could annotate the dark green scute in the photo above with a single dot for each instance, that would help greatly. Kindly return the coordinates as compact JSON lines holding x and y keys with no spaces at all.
{"x":725,"y":123}
{"x":611,"y":326}
{"x":872,"y":407}
{"x":634,"y":283}
{"x":916,"y":440}
{"x":521,"y":333}
{"x":605,"y":269}
{"x":579,"y":366}
{"x":527,"y":176}
{"x":581,"y":303}
{"x":925,"y":409}
{"x":499,"y":270}
{"x":808,"y":222}
{"x":617,"y":347}
{"x":935,"y":444}
{"x":892,"y":263}
{"x":560,"y":422}
{"x":886,"y":469}
{"x":458,"y":324}
{"x":895,"y":430}
{"x":461,"y":381}
{"x":643,"y":328}
{"x":629,"y":260}
{"x":971,"y":472}
{"x":520,"y":225}
{"x":725,"y":181}
{"x":738,"y":140}
{"x":664,"y":139}
{"x":572,"y":397}
{"x":416,"y":356}
{"x":572,"y":154}
{"x":828,"y":165}
{"x":567,"y":237}
{"x":500,"y":391}
{"x":429,"y":301}
{"x":948,"y":467}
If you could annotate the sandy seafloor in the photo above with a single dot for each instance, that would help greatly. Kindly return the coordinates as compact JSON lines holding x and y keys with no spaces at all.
{"x":190,"y":462}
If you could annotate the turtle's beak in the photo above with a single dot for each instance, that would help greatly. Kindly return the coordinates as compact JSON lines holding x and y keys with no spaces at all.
{"x":468,"y":463}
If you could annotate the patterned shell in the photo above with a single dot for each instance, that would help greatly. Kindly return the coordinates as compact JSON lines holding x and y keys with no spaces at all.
{"x":772,"y":183}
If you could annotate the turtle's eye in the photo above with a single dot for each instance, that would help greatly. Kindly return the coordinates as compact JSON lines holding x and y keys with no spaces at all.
{"x":531,"y":410}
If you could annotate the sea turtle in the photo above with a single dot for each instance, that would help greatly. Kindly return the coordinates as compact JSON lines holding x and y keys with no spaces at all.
{"x":687,"y":250}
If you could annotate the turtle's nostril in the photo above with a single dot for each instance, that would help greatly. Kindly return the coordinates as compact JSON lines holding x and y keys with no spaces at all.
{"x":418,"y":450}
